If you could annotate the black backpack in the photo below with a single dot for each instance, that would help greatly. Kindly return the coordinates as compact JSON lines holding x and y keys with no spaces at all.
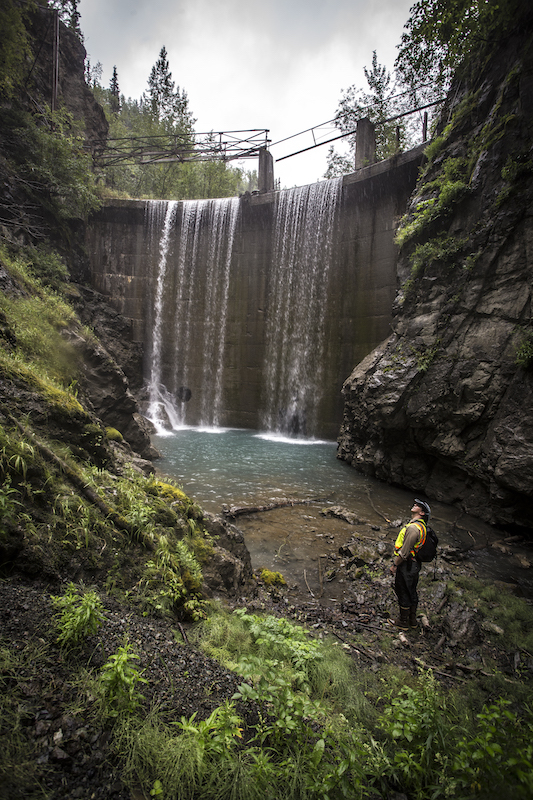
{"x":427,"y":551}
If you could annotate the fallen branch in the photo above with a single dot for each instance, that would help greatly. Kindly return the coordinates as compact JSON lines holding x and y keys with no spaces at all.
{"x":359,"y":650}
{"x":374,"y":507}
{"x":422,"y":665}
{"x":305,"y":579}
{"x":442,"y":604}
{"x":238,"y":511}
{"x":183,"y":634}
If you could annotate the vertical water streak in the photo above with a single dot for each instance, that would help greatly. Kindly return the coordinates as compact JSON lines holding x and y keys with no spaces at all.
{"x":223,"y":216}
{"x":159,"y":408}
{"x":190,"y":306}
{"x":184,"y":301}
{"x":295,"y":338}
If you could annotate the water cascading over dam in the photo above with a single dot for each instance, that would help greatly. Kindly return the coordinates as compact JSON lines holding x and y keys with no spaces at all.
{"x":193,"y":242}
{"x":189,"y":314}
{"x":253,"y":311}
{"x":304,"y":229}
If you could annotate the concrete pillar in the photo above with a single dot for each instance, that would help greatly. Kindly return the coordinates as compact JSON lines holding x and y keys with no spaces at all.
{"x":265,"y":178}
{"x":365,"y":143}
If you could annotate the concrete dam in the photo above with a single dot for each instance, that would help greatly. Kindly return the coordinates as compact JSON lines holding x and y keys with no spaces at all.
{"x":253,"y":311}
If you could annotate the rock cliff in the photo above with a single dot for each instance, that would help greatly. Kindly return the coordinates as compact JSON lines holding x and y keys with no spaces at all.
{"x":444,"y":405}
{"x":31,"y":215}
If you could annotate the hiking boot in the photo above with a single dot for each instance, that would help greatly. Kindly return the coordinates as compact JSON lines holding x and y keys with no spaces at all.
{"x":412,"y":617}
{"x":402,"y":621}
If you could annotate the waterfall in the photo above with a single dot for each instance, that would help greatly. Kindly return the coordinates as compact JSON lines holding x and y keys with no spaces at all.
{"x":160,"y":405}
{"x":304,"y":229}
{"x":190,"y":301}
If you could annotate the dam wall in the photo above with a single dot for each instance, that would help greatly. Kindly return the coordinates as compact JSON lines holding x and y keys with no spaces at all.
{"x":349,"y":304}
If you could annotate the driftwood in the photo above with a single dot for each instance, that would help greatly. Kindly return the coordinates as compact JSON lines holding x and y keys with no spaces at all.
{"x":423,"y":665}
{"x":374,"y":507}
{"x":238,"y":511}
{"x":305,"y":579}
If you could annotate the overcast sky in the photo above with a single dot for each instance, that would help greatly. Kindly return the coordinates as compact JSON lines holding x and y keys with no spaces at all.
{"x":276,"y":64}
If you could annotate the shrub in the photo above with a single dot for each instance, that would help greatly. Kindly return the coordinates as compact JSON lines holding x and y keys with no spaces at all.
{"x":80,"y":615}
{"x":119,"y":679}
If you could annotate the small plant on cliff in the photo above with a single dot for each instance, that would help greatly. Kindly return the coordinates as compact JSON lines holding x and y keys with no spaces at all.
{"x":524,"y":352}
{"x":173,"y":578}
{"x":445,"y":191}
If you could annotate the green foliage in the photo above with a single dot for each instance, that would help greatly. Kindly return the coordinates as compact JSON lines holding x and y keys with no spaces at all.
{"x":58,"y":165}
{"x":14,"y":45}
{"x":17,"y":458}
{"x":166,"y":102}
{"x":47,"y":266}
{"x":498,"y":756}
{"x":18,"y":765}
{"x":80,"y":615}
{"x":172,"y":576}
{"x":9,"y":505}
{"x":36,"y":319}
{"x":118,"y":680}
{"x":162,"y":116}
{"x":243,"y":641}
{"x":426,"y":356}
{"x":186,"y":757}
{"x":377,"y":105}
{"x":439,"y":34}
{"x":439,"y":249}
{"x":68,"y":13}
{"x":446,"y":190}
{"x":416,"y":720}
{"x":524,"y":352}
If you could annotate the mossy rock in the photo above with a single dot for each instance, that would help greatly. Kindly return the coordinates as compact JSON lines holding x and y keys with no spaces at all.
{"x":113,"y":435}
{"x":168,"y":492}
{"x":270,"y":578}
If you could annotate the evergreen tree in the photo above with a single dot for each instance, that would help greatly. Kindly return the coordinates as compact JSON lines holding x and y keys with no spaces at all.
{"x":163,"y":114}
{"x":69,"y":14}
{"x":167,"y":103}
{"x":114,"y":89}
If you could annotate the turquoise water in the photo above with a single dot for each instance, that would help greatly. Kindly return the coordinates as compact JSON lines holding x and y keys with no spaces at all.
{"x":240,"y":467}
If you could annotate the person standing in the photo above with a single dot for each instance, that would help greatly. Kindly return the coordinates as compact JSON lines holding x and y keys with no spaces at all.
{"x":406,"y":566}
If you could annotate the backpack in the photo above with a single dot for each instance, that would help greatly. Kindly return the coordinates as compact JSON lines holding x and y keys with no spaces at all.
{"x":427,"y":551}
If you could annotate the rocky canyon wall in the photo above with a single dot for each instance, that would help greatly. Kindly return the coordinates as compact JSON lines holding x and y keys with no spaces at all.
{"x":445,"y":404}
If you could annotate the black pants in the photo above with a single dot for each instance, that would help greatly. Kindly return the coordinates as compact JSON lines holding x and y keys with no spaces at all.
{"x":406,"y":581}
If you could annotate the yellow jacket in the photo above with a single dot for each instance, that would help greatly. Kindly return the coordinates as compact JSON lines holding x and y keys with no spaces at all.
{"x":415,"y":538}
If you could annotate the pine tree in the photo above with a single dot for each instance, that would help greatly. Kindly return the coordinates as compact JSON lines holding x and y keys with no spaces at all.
{"x":166,"y":102}
{"x":114,"y":89}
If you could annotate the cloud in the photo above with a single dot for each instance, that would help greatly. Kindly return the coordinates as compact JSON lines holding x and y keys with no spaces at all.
{"x":278,"y":64}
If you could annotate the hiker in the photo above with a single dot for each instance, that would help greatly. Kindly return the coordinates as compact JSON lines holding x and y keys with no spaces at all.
{"x":406,"y":566}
